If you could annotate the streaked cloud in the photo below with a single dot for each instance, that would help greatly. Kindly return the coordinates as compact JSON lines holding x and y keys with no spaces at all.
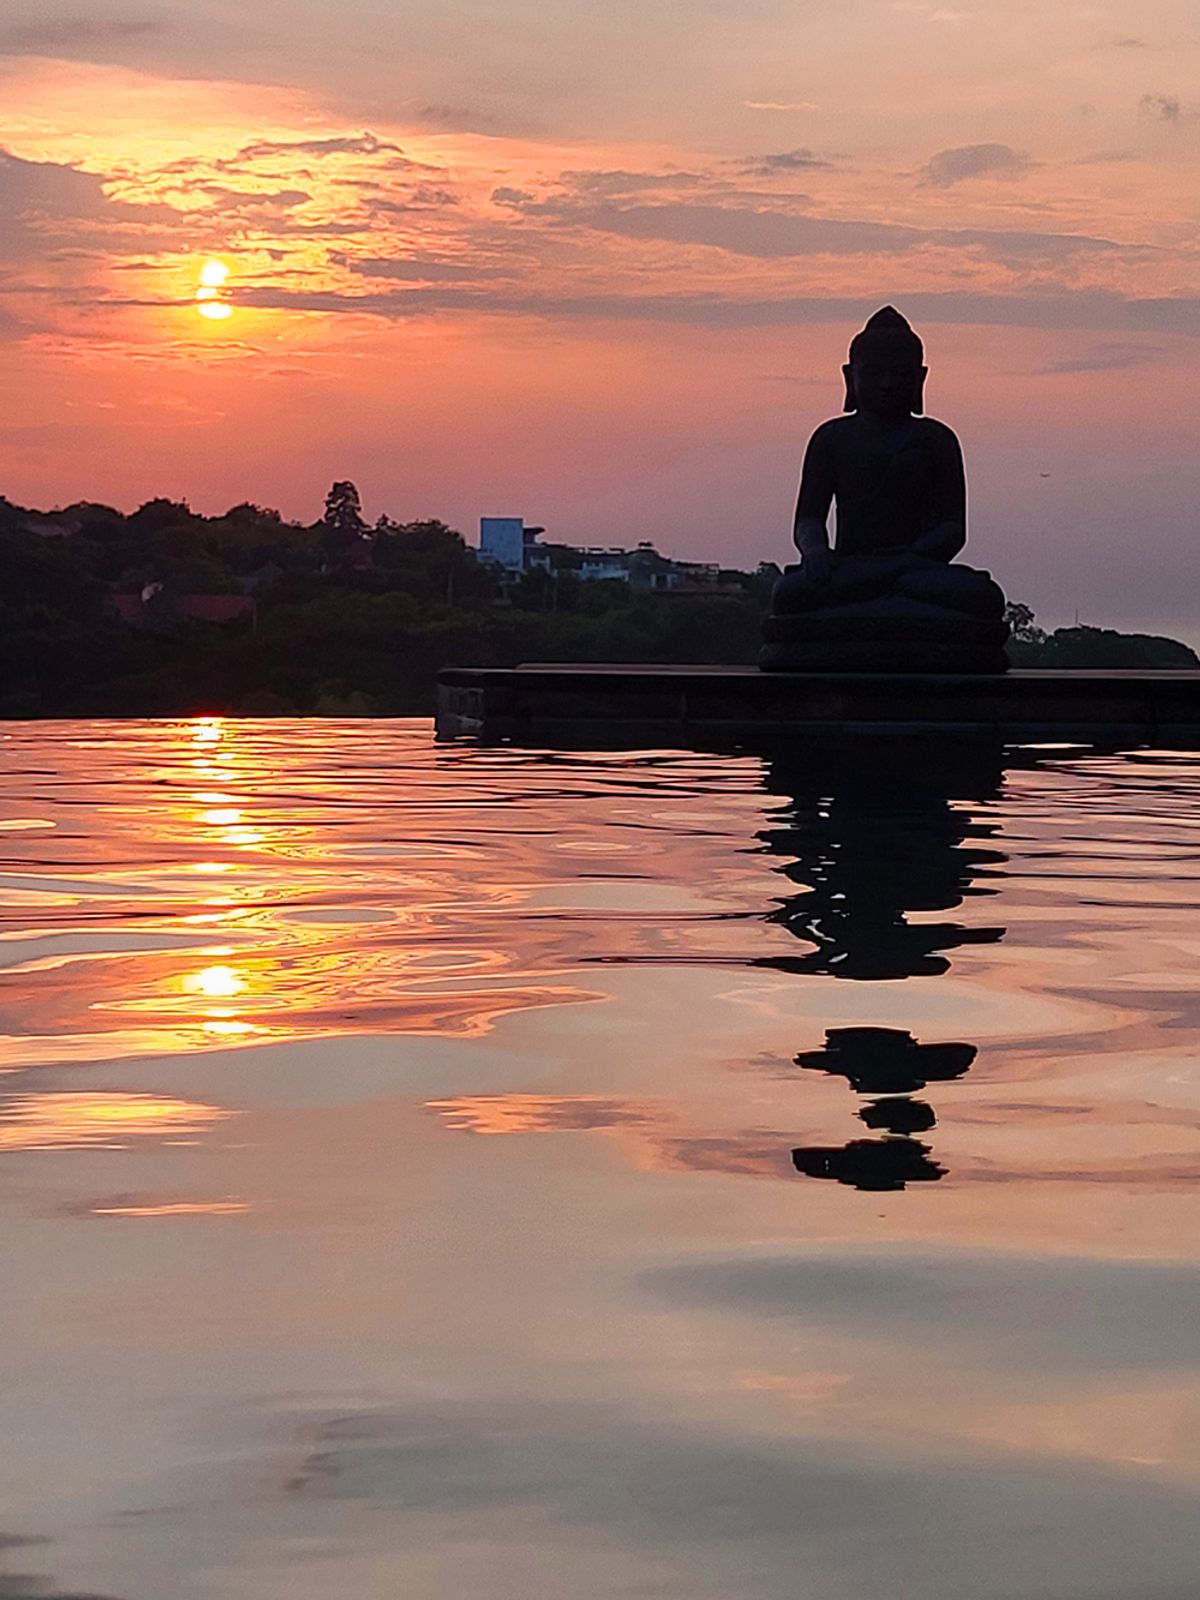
{"x":778,"y":233}
{"x":1109,"y":356}
{"x":67,"y":35}
{"x":365,"y":144}
{"x":412,"y":269}
{"x":1083,"y":309}
{"x":786,"y":161}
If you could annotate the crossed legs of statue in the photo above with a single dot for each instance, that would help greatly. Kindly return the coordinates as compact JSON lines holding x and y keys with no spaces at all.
{"x":895,"y":612}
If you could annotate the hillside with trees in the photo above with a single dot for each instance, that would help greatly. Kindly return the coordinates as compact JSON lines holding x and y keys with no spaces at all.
{"x":164,"y":612}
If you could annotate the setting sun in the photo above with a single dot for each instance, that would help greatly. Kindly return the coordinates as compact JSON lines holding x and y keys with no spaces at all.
{"x":213,"y":276}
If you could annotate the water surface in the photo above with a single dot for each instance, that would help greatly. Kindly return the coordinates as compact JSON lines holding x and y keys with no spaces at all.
{"x":446,"y":1172}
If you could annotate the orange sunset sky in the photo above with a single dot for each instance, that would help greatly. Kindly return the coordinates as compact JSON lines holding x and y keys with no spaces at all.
{"x":598,"y":265}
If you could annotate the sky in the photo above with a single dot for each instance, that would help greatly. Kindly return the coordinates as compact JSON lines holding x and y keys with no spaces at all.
{"x":598,"y":266}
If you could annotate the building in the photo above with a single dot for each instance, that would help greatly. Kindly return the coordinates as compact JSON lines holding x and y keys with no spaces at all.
{"x":506,"y":542}
{"x":600,"y":565}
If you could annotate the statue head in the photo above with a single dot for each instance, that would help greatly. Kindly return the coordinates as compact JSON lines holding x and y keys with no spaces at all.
{"x":885,"y":375}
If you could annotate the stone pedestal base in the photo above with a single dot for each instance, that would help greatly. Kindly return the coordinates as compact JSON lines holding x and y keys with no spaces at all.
{"x":886,"y":614}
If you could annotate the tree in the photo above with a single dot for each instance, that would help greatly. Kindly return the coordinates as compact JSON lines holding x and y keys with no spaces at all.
{"x":343,"y":509}
{"x":1020,"y":624}
{"x":247,"y":512}
{"x":155,"y":515}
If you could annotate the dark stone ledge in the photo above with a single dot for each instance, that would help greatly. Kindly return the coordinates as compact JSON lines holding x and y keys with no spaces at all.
{"x":582,"y":705}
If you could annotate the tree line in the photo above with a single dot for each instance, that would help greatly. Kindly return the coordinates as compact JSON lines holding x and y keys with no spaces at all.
{"x":342,"y":617}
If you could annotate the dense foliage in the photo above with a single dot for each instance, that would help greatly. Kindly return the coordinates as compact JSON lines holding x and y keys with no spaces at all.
{"x":345,"y":618}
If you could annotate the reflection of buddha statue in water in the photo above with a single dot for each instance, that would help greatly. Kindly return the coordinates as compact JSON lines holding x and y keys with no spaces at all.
{"x":890,"y":1066}
{"x":886,"y":597}
{"x":870,"y":836}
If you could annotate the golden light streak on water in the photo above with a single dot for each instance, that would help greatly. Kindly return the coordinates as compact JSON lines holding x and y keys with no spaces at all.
{"x":175,"y":1208}
{"x":64,"y":1120}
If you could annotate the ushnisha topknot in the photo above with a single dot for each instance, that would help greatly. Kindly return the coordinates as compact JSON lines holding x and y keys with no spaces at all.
{"x":887,"y":324}
{"x":886,"y":332}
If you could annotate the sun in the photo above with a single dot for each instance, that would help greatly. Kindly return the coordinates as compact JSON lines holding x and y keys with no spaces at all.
{"x":214,"y":276}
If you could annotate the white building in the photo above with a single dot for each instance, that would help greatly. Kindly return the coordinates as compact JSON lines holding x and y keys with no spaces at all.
{"x":600,"y":564}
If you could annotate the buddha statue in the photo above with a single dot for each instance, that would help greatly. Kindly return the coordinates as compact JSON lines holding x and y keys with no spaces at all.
{"x":888,"y":597}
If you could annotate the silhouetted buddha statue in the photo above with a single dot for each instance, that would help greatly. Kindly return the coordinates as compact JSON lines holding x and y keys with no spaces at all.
{"x":886,"y":598}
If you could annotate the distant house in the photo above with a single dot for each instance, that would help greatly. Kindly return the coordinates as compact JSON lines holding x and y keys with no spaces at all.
{"x":507,"y":543}
{"x":156,"y":606}
{"x":598,"y":566}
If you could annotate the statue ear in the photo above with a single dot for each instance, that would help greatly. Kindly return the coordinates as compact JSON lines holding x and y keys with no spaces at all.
{"x":851,"y":401}
{"x":918,"y":400}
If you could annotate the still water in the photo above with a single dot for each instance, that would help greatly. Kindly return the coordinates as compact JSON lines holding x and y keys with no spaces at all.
{"x":438,"y":1172}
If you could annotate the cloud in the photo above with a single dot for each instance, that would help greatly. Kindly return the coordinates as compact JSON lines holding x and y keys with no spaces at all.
{"x":422,"y":197}
{"x":38,"y":189}
{"x":973,"y":161}
{"x":933,"y":13}
{"x":365,"y":144}
{"x":21,"y":1586}
{"x":226,"y":199}
{"x":52,"y":209}
{"x":518,"y":199}
{"x":1102,"y":158}
{"x":780,"y":105}
{"x":1165,"y":107}
{"x":411,"y":269}
{"x":69,"y":34}
{"x":1110,"y":356}
{"x":777,"y":234}
{"x":619,"y":185}
{"x":459,"y":119}
{"x":1057,"y":312}
{"x":771,"y":166}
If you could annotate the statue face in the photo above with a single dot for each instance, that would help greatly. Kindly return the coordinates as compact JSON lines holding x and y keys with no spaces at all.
{"x":886,"y":384}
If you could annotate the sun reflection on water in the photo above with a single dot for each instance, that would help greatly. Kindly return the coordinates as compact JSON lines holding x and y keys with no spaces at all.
{"x":61,"y":1120}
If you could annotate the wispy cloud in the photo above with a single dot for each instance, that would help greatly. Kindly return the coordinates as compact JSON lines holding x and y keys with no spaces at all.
{"x":1058,"y":311}
{"x":364,"y":144}
{"x":412,"y":269}
{"x":952,"y":15}
{"x":780,"y":105}
{"x":64,"y":35}
{"x":777,"y":234}
{"x":785,"y":162}
{"x":1165,"y":107}
{"x":1109,"y":356}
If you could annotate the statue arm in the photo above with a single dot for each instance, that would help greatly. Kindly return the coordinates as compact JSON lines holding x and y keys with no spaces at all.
{"x":810,"y":530}
{"x":947,"y":532}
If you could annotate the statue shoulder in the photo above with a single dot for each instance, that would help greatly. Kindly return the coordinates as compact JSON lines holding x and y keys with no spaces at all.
{"x":938,"y":433}
{"x":826,"y":435}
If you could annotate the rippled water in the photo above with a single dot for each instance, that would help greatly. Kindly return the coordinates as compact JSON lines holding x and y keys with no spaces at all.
{"x":445,"y":1172}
